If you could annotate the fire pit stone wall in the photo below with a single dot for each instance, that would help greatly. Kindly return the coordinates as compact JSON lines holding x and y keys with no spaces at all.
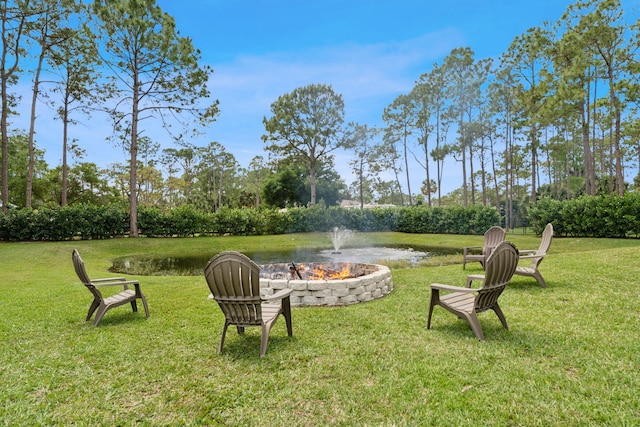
{"x":374,"y":283}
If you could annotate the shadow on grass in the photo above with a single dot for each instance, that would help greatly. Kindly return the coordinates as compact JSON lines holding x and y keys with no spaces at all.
{"x":246,"y":347}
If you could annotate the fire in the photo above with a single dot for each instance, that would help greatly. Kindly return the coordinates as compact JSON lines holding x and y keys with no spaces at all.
{"x":323,"y":272}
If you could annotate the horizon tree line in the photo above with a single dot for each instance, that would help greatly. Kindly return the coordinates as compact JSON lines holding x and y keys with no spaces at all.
{"x":555,"y":115}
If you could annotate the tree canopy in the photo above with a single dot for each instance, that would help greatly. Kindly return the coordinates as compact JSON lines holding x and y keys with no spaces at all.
{"x":306,"y":123}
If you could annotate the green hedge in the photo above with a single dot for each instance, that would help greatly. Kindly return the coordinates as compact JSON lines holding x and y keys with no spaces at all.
{"x":76,"y":221}
{"x":454,"y":219}
{"x":103,"y":222}
{"x":589,"y":216}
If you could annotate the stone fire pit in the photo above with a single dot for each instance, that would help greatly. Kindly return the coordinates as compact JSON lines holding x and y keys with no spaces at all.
{"x":330,"y":284}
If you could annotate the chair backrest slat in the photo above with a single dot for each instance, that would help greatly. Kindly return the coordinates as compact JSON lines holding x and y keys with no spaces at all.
{"x":78,"y":265}
{"x":81,"y":272}
{"x":494,"y":236}
{"x":234,"y":281}
{"x":499,"y":269}
{"x":545,"y":244}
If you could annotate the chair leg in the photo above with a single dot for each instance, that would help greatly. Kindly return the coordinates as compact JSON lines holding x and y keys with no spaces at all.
{"x":286,"y":312}
{"x":264,"y":340}
{"x":101,"y":311}
{"x":134,"y":306}
{"x":472,"y":318}
{"x":500,"y":315}
{"x":540,"y":279}
{"x":435,"y":299}
{"x":144,"y":303}
{"x":224,"y":332}
{"x":94,"y":305}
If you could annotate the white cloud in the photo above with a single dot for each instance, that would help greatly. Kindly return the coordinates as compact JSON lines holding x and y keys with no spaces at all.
{"x":369,"y":76}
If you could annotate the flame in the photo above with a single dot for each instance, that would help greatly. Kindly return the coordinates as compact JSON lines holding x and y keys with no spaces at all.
{"x":322,"y":272}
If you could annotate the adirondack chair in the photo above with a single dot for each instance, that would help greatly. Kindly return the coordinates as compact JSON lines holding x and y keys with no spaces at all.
{"x":536,"y":256}
{"x":492,"y":237}
{"x":467,"y":302}
{"x":234,"y":281}
{"x":102,"y":304}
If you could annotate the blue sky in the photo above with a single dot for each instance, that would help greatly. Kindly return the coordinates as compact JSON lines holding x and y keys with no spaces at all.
{"x":370,"y":51}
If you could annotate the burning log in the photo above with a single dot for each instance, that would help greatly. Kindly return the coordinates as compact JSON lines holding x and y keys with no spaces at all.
{"x":293,"y":267}
{"x":313,"y":271}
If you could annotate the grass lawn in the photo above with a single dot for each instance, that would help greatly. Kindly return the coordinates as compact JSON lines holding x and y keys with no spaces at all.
{"x":570,"y":358}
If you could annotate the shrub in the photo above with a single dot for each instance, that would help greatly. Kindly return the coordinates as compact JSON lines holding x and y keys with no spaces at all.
{"x":589,"y":216}
{"x":187,"y":221}
{"x":153,"y":223}
{"x":454,"y":219}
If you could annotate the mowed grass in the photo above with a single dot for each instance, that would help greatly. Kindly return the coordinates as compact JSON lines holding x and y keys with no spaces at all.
{"x":570,"y":358}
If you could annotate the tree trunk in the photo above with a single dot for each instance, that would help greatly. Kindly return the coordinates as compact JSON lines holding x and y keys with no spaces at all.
{"x":65,"y":168}
{"x":589,"y":182}
{"x":616,"y":141}
{"x":406,"y":166}
{"x":361,"y":182}
{"x":312,"y":180}
{"x":133,"y":165}
{"x":426,"y":166}
{"x":534,"y":161}
{"x":472,"y":178}
{"x":464,"y":161}
{"x":5,"y":143}
{"x":32,"y":131}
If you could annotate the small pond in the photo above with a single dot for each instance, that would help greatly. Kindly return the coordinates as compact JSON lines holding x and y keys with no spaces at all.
{"x":192,"y":264}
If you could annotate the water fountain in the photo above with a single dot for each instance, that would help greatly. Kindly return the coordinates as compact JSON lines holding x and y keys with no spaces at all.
{"x":338,"y":236}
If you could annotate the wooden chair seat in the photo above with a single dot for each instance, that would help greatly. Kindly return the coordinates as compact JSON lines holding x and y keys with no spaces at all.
{"x":459,"y":302}
{"x":467,"y":302}
{"x":100,"y":305}
{"x":536,"y":256}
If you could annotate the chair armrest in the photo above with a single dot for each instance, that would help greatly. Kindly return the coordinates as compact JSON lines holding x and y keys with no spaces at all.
{"x":527,"y":251}
{"x":442,"y":287}
{"x":281,"y":294}
{"x":472,"y":277}
{"x":532,"y":256}
{"x":475,"y":249}
{"x":125,"y":283}
{"x":109,"y":279}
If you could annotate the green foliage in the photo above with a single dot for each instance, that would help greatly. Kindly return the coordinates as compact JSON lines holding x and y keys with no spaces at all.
{"x":284,"y":188}
{"x":17,"y":163}
{"x":99,"y":222}
{"x":157,"y":71}
{"x":290,"y":185}
{"x":187,"y":221}
{"x":75,"y":221}
{"x":586,"y":216}
{"x":153,"y":223}
{"x":589,"y":216}
{"x":238,"y":222}
{"x":453,"y":219}
{"x":275,"y":222}
{"x":306,"y":124}
{"x":16,"y":224}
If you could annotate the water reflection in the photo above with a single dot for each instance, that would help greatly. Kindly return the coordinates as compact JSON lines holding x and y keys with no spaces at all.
{"x":192,"y":265}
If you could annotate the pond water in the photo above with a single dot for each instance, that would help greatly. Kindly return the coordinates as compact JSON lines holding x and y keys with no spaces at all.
{"x":192,"y":264}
